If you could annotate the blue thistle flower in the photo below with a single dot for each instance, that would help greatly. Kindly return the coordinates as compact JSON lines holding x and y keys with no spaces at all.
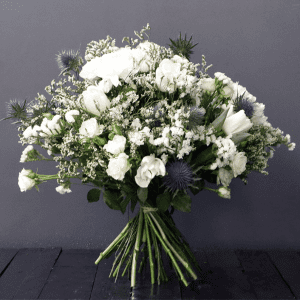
{"x":196,"y":117}
{"x":180,"y":175}
{"x":69,"y":60}
{"x":241,"y":103}
{"x":16,"y":109}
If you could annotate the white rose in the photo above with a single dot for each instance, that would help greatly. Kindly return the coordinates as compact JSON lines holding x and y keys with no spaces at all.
{"x":236,"y":122}
{"x":69,"y":115}
{"x":105,"y":85}
{"x":179,"y":59}
{"x":166,"y":73}
{"x":25,"y":183}
{"x":90,"y":128}
{"x":117,"y":145}
{"x":95,"y":100}
{"x":117,"y":167}
{"x":60,"y":189}
{"x":150,"y":167}
{"x":238,"y":164}
{"x":148,"y":46}
{"x":112,"y":65}
{"x":141,"y":60}
{"x":224,"y":177}
{"x":208,"y":84}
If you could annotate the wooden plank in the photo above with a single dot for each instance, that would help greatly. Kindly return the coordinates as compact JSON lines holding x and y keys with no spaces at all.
{"x":166,"y":290}
{"x":200,"y":288}
{"x":263,"y":275}
{"x":20,"y":270}
{"x":227,"y":277}
{"x":105,"y":287}
{"x":288,"y":264}
{"x":72,"y":276}
{"x":6,"y":256}
{"x":33,"y":283}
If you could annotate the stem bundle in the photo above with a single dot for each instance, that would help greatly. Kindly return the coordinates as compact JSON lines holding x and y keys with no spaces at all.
{"x":150,"y":231}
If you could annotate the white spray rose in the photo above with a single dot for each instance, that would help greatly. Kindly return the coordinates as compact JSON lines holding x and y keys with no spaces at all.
{"x":150,"y":167}
{"x":166,"y":73}
{"x":207,"y":84}
{"x":60,"y":189}
{"x":90,"y":128}
{"x":224,"y":177}
{"x":117,"y":167}
{"x":69,"y":115}
{"x":238,"y":164}
{"x":117,"y":145}
{"x":95,"y":100}
{"x":236,"y":122}
{"x":25,"y":183}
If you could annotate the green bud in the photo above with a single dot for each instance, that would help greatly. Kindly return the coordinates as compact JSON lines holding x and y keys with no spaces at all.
{"x":99,"y":141}
{"x":111,"y":135}
{"x":116,"y":129}
{"x":48,"y":116}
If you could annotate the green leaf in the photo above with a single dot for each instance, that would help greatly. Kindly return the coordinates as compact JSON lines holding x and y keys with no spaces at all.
{"x":99,"y":141}
{"x":133,"y":203}
{"x":111,"y":198}
{"x":111,"y":135}
{"x":142,"y":193}
{"x":182,"y":202}
{"x":163,"y":201}
{"x":93,"y":195}
{"x":116,"y":129}
{"x":239,"y":137}
{"x":199,"y":187}
{"x":124,"y":204}
{"x":205,"y":156}
{"x":219,"y":121}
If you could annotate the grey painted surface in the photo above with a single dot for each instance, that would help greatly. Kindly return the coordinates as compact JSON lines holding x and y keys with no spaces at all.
{"x":254,"y":42}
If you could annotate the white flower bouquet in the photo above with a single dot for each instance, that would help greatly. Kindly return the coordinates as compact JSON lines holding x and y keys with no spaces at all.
{"x":143,"y":125}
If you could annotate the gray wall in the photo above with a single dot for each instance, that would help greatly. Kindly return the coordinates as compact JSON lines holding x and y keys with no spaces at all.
{"x":254,"y":42}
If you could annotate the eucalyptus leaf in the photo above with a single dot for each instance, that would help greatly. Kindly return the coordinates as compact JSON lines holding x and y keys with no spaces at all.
{"x":239,"y":137}
{"x":93,"y":195}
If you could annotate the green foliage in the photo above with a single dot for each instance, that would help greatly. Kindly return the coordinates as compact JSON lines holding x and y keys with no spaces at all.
{"x":163,"y":201}
{"x":93,"y":195}
{"x":200,"y":186}
{"x":182,"y":202}
{"x":219,"y":121}
{"x":142,"y":194}
{"x":112,"y":198}
{"x":182,"y":46}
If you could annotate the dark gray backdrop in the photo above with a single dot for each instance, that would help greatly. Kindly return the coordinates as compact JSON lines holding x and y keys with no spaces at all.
{"x":254,"y":42}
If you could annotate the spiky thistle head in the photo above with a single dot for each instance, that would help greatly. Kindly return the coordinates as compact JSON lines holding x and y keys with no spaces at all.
{"x":180,"y":175}
{"x":69,"y":60}
{"x":182,"y":46}
{"x":16,"y":109}
{"x":242,"y":103}
{"x":196,"y":116}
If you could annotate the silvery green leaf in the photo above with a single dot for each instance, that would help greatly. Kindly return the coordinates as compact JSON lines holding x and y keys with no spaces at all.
{"x":239,"y":137}
{"x":219,"y":121}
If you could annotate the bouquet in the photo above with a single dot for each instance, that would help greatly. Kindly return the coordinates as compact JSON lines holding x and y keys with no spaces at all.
{"x":144,"y":125}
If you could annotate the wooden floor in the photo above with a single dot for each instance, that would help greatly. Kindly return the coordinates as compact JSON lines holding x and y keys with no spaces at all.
{"x":54,"y":273}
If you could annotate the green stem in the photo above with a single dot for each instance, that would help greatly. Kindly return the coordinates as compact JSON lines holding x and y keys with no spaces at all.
{"x":161,"y":238}
{"x":136,"y":249}
{"x":185,"y":264}
{"x":150,"y":253}
{"x":112,"y":245}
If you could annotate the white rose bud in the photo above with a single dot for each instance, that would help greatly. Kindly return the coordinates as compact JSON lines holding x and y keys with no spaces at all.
{"x":224,"y":192}
{"x":90,"y":128}
{"x":95,"y":100}
{"x":117,"y":167}
{"x":60,"y":189}
{"x":117,"y":145}
{"x":238,"y":164}
{"x":236,"y":122}
{"x":25,"y":183}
